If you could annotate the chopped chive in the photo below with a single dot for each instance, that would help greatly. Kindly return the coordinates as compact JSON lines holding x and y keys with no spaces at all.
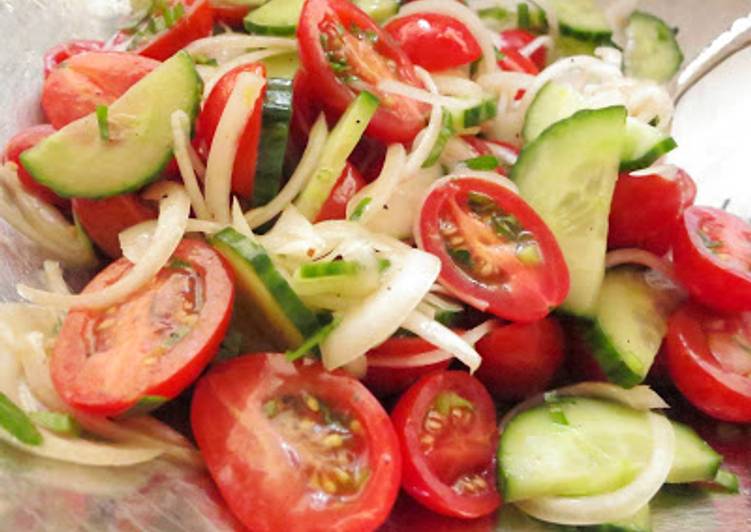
{"x":313,"y":341}
{"x":462,"y":256}
{"x":483,"y":162}
{"x":523,"y":20}
{"x":383,"y":265}
{"x":168,"y":16}
{"x":17,"y":423}
{"x":360,"y":209}
{"x":333,"y":268}
{"x":59,"y":422}
{"x":102,"y":120}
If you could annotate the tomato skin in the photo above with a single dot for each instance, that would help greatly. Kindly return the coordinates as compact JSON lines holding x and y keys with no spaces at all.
{"x":398,"y":122}
{"x":658,"y":200}
{"x":518,"y":38}
{"x":229,"y":14}
{"x":245,"y":455}
{"x":530,"y":292}
{"x":244,"y":168}
{"x":64,"y":51}
{"x":103,"y":220}
{"x":697,"y":372}
{"x":196,"y":23}
{"x":520,"y":359}
{"x":514,"y":61}
{"x":111,"y":379}
{"x":710,"y":278}
{"x":349,"y":183}
{"x":421,"y":34}
{"x":21,"y":142}
{"x":77,"y":86}
{"x":385,"y":381}
{"x":411,"y":516}
{"x":473,"y":448}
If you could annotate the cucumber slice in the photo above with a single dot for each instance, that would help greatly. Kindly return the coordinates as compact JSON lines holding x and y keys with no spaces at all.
{"x":475,"y":112}
{"x":583,"y":20}
{"x":447,"y":131}
{"x":568,"y":175}
{"x":565,"y":46}
{"x":630,"y":323}
{"x":512,"y":519}
{"x":77,"y":162}
{"x":277,"y":113}
{"x":652,"y":51}
{"x":644,"y":144}
{"x":379,"y":10}
{"x":264,"y":298}
{"x":601,"y":447}
{"x":340,"y":144}
{"x":641,"y":521}
{"x":277,"y":17}
{"x":282,"y":65}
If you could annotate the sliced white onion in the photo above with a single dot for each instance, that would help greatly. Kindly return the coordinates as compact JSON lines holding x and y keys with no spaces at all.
{"x":136,"y":239}
{"x":668,"y":171}
{"x":239,"y":223}
{"x":427,"y":138}
{"x":174,"y":209}
{"x":442,"y":337}
{"x":543,"y":41}
{"x":619,"y":504}
{"x":240,"y":105}
{"x":181,"y":140}
{"x":245,"y":59}
{"x":378,"y":316}
{"x":54,"y":276}
{"x":221,"y":47}
{"x":442,"y":303}
{"x":640,"y":397}
{"x":457,"y":86}
{"x":358,"y":368}
{"x":380,"y":190}
{"x":419,"y":95}
{"x":508,"y":82}
{"x":464,"y":15}
{"x":612,"y":56}
{"x":293,"y":236}
{"x":298,"y":180}
{"x":640,"y":257}
{"x":455,"y":151}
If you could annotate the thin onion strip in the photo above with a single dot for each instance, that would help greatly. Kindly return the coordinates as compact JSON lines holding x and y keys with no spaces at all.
{"x":181,"y":140}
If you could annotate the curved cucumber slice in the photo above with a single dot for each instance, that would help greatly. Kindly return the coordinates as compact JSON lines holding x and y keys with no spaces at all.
{"x":652,"y":52}
{"x":644,"y":145}
{"x":277,"y":113}
{"x":568,"y":175}
{"x":588,"y":446}
{"x":475,"y":112}
{"x":277,"y":17}
{"x":630,"y":323}
{"x":582,"y":19}
{"x":379,"y":10}
{"x":282,"y":65}
{"x":77,"y":162}
{"x":512,"y":519}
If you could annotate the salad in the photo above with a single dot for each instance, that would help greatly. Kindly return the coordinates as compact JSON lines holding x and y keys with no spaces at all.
{"x":429,"y":248}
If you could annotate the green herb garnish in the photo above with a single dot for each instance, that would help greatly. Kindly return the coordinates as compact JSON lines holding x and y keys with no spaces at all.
{"x":59,"y":422}
{"x":313,"y":341}
{"x":17,"y":423}
{"x":360,"y":209}
{"x":483,"y":162}
{"x":102,"y":120}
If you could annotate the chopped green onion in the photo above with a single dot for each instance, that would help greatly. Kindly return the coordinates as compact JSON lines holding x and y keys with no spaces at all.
{"x":332,"y":268}
{"x":447,"y":317}
{"x":313,"y":341}
{"x":383,"y":265}
{"x":727,"y":480}
{"x":60,"y":422}
{"x":17,"y":423}
{"x":360,"y":209}
{"x":169,"y":20}
{"x":523,"y":19}
{"x":102,"y":113}
{"x":462,"y":256}
{"x":483,"y":162}
{"x":145,"y":404}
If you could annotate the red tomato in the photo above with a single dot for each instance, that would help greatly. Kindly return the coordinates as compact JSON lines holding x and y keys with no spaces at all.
{"x":244,"y":169}
{"x":447,"y":430}
{"x":497,"y":254}
{"x":103,"y":220}
{"x":514,"y":61}
{"x":228,"y":12}
{"x":294,"y":447}
{"x":520,"y":359}
{"x":155,"y":343}
{"x":24,"y":140}
{"x":434,"y":41}
{"x":712,"y":255}
{"x":63,"y":52}
{"x":155,"y":39}
{"x":410,"y":516}
{"x":708,"y":359}
{"x":77,"y":86}
{"x":484,"y":147}
{"x":335,"y":206}
{"x":344,"y":52}
{"x":384,"y":379}
{"x":518,"y":38}
{"x":660,"y":202}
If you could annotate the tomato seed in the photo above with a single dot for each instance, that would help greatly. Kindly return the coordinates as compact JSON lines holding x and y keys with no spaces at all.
{"x":333,"y":440}
{"x":312,"y":403}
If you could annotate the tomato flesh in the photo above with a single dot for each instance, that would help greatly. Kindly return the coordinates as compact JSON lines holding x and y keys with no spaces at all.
{"x":348,"y":184}
{"x":65,"y":51}
{"x":345,"y":52}
{"x":497,"y":255}
{"x":244,"y":168}
{"x":422,"y":34}
{"x":76,"y":87}
{"x":712,"y":255}
{"x":280,"y":435}
{"x":228,"y":13}
{"x":709,"y":360}
{"x":446,"y":427}
{"x":517,"y":39}
{"x":154,"y":343}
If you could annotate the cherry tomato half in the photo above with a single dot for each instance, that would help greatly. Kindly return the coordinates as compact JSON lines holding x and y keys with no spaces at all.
{"x":155,"y":343}
{"x":518,"y":38}
{"x":348,"y":184}
{"x":103,"y":220}
{"x":410,"y":516}
{"x":709,"y":359}
{"x":447,"y":429}
{"x":24,"y":140}
{"x":712,"y":255}
{"x":497,"y":254}
{"x":244,"y":169}
{"x":229,"y":12}
{"x":485,"y":147}
{"x":295,"y":447}
{"x":514,"y":61}
{"x":660,"y":202}
{"x":434,"y":41}
{"x":166,"y":31}
{"x":384,"y":378}
{"x":63,"y":52}
{"x":344,"y":52}
{"x":78,"y":85}
{"x":520,"y":359}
